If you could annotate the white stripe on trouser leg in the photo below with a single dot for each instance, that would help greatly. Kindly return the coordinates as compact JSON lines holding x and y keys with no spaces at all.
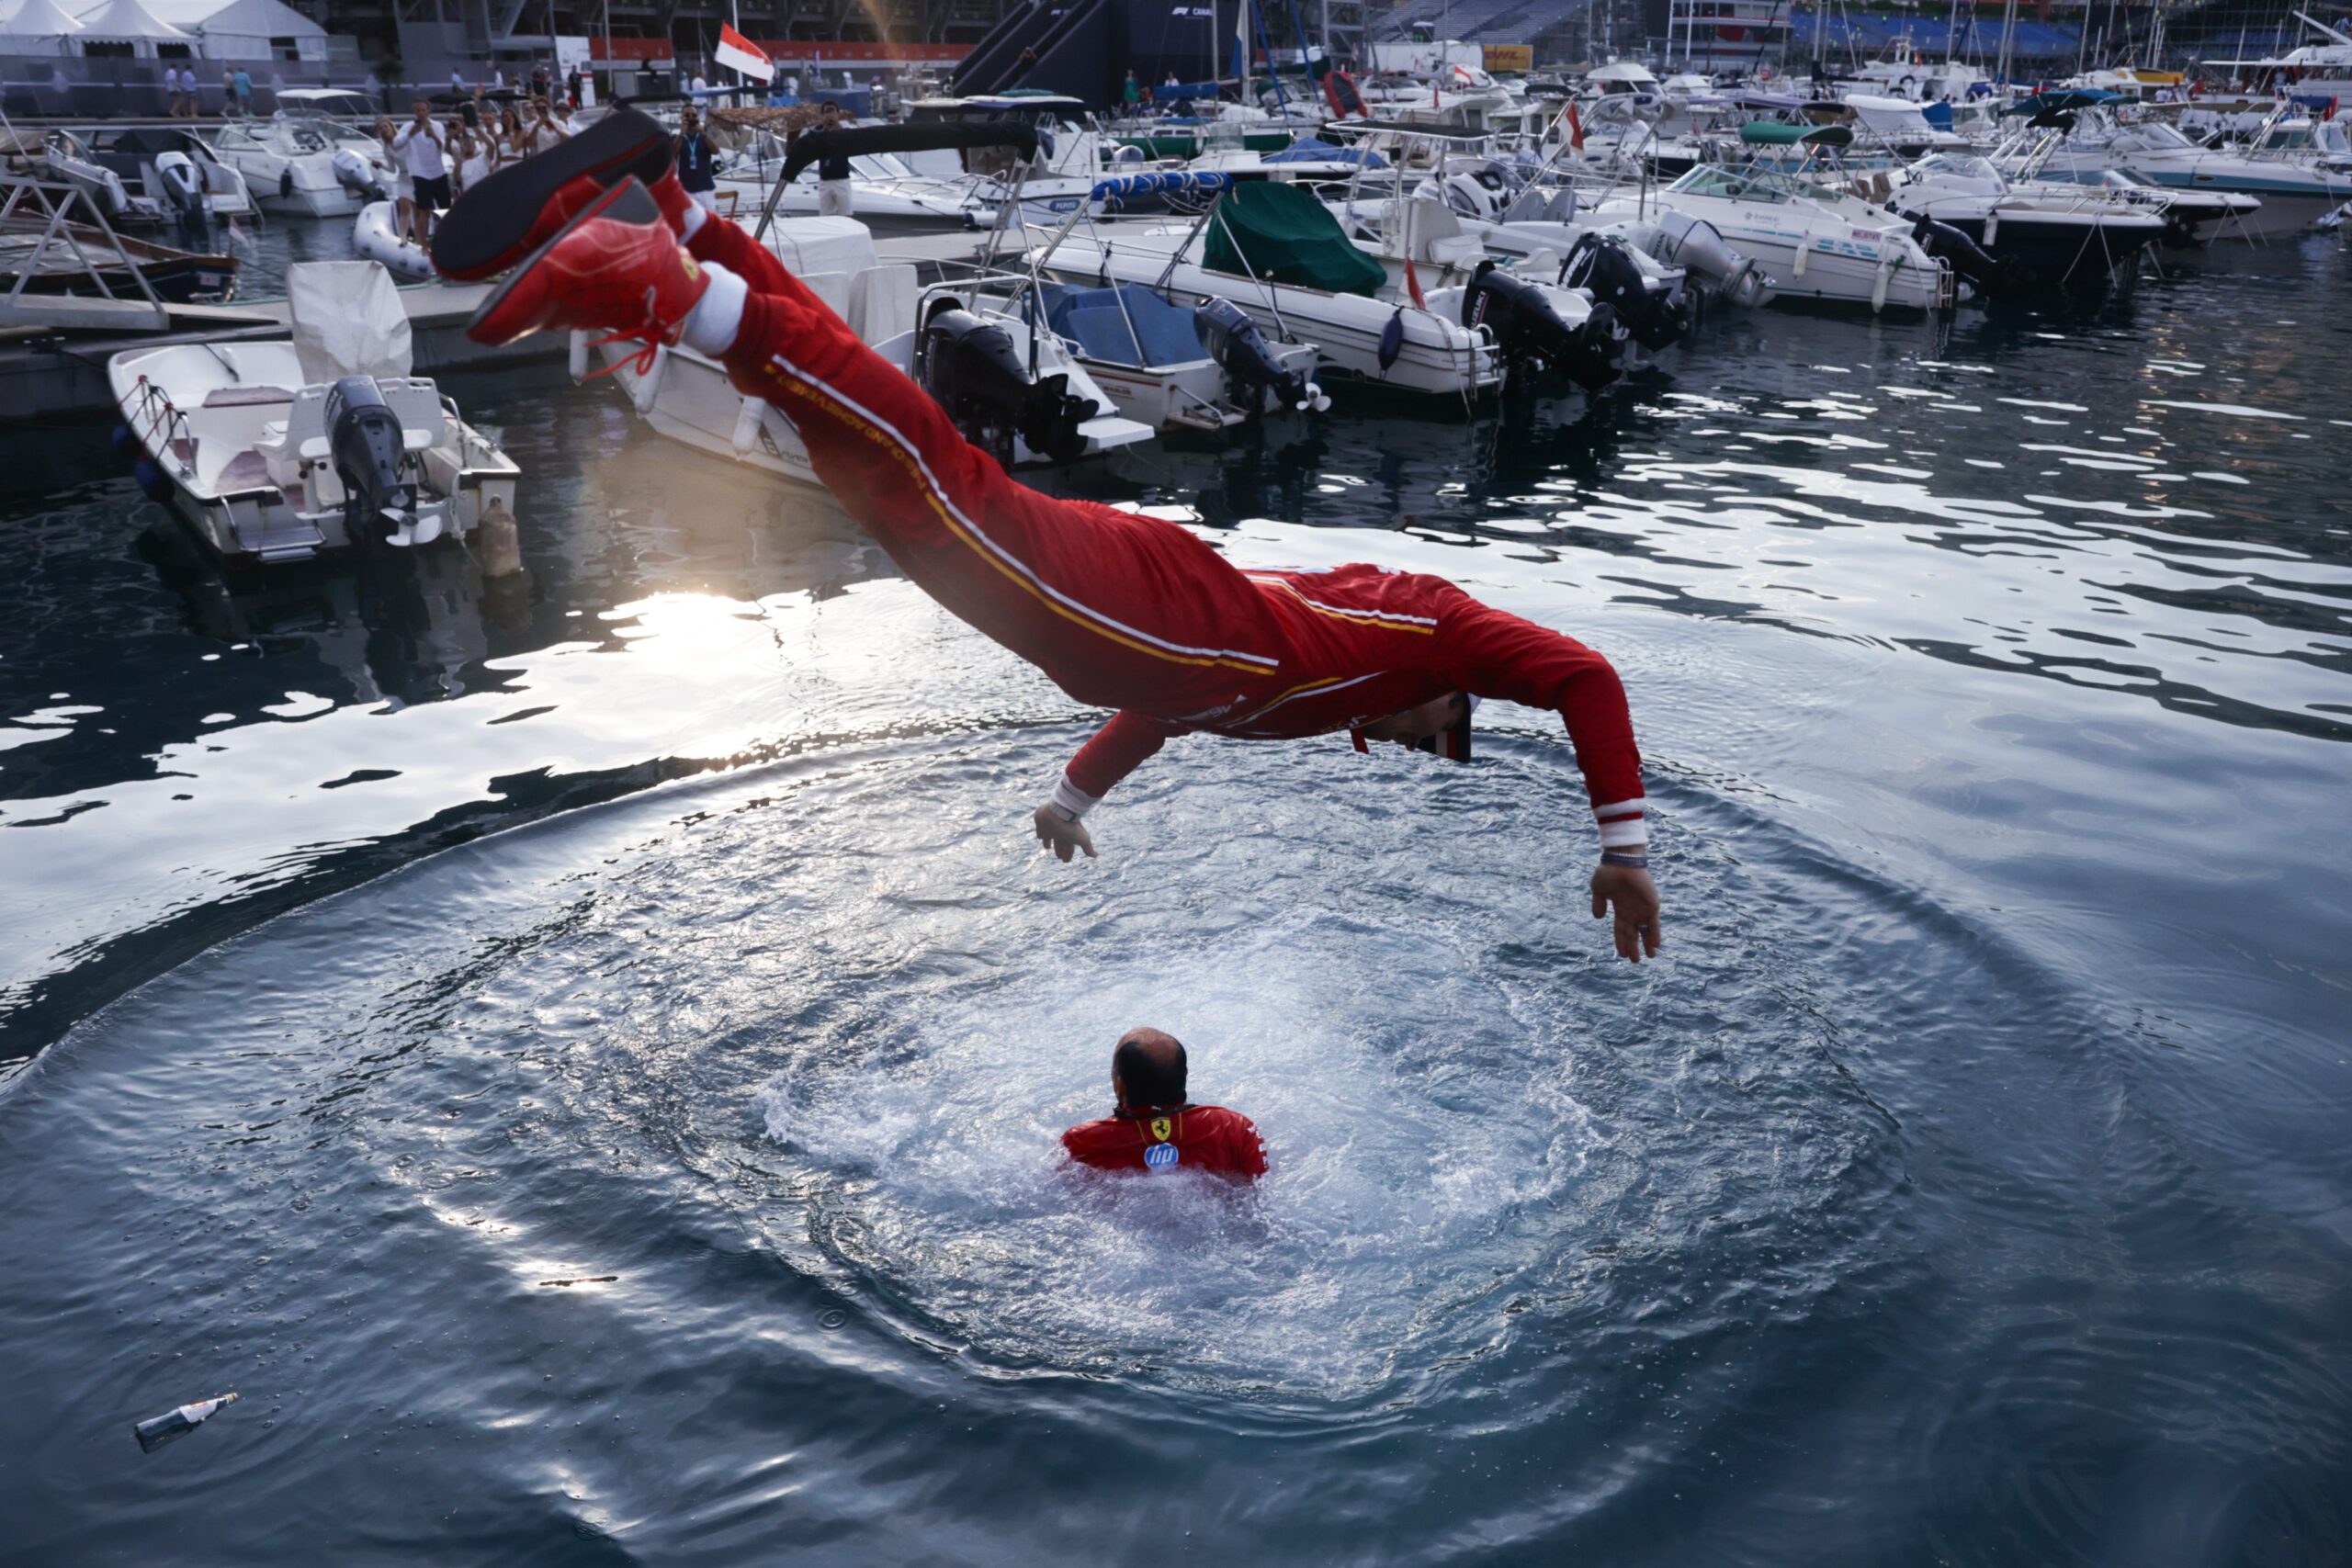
{"x":711,"y":325}
{"x":1027,"y":572}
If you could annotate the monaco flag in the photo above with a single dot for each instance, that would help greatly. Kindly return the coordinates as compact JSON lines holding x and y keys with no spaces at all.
{"x":738,"y":53}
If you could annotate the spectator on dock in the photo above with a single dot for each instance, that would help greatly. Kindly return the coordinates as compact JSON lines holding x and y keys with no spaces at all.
{"x":572,"y":88}
{"x":457,"y":82}
{"x":474,"y":152}
{"x":243,"y":82}
{"x":547,"y":130}
{"x":228,"y":94}
{"x":423,"y":149}
{"x":696,"y":159}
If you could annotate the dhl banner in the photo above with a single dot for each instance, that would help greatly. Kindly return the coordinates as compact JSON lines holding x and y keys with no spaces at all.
{"x":1511,"y":57}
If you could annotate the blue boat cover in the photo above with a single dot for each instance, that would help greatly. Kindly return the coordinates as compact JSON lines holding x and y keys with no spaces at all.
{"x":1150,"y":330}
{"x":1122,"y":188}
{"x":1313,"y":150}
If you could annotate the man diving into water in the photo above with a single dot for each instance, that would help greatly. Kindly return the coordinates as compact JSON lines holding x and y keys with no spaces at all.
{"x":1121,"y":611}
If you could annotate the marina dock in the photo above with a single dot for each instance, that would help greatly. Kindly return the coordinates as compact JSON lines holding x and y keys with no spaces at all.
{"x":53,"y":350}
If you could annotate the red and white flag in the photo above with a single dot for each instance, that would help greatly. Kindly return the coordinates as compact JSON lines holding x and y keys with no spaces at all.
{"x":2331,"y":108}
{"x":738,"y":53}
{"x":1576,"y":128}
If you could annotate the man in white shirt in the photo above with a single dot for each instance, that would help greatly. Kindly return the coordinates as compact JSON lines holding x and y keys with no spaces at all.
{"x":699,"y":86}
{"x":424,"y":147}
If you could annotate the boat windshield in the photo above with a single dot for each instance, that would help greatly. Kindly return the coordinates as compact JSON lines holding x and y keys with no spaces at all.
{"x":1959,"y":165}
{"x":2163,"y":136}
{"x":1754,"y":184}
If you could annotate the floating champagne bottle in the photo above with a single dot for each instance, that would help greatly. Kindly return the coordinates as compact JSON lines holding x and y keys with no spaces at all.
{"x":154,"y":1434}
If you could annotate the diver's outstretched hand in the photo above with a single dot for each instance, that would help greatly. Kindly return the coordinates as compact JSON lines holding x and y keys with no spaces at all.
{"x":1628,"y":891}
{"x":1066,"y":838}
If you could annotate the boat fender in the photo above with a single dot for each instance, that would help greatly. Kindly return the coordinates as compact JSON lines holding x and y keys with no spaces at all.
{"x":126,"y":444}
{"x":748,"y":420}
{"x":576,"y":355}
{"x":152,"y":481}
{"x":1392,"y":340}
{"x":1805,"y":250}
{"x":286,"y":183}
{"x":1885,"y":276}
{"x":648,"y":383}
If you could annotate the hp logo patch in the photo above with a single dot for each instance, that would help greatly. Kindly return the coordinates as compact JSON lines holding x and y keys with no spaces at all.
{"x":1161,"y":1154}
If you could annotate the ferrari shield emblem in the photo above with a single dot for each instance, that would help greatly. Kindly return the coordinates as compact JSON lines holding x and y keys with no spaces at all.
{"x":1160,"y":1128}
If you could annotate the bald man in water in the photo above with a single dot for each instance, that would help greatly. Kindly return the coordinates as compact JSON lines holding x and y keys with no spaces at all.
{"x":1155,"y":1127}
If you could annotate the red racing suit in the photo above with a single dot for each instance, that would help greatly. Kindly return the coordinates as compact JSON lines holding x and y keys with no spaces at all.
{"x":1187,"y":1137}
{"x":1135,"y":613}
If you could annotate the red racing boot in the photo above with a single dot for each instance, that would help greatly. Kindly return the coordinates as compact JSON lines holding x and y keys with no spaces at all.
{"x":523,"y":205}
{"x":617,"y":267}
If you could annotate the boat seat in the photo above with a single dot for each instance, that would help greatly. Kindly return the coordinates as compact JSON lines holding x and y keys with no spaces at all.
{"x":247,"y":470}
{"x":245,"y":397}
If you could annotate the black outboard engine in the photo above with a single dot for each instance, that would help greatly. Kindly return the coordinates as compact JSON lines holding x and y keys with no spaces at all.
{"x":1604,"y":265}
{"x":2003,"y":279}
{"x":1530,"y":332}
{"x":1234,"y":340}
{"x":364,"y":435}
{"x":970,"y":369}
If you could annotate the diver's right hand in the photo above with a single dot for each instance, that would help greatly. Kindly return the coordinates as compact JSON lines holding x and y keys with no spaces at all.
{"x":1064,"y":838}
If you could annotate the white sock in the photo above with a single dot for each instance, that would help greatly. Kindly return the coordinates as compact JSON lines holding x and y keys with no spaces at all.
{"x":697,"y":215}
{"x":711,"y":325}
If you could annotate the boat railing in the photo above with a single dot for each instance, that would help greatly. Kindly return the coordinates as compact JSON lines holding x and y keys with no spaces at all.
{"x":49,"y":205}
{"x":163,"y":425}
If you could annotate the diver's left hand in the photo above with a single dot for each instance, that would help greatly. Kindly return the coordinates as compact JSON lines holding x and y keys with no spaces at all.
{"x":1628,"y":891}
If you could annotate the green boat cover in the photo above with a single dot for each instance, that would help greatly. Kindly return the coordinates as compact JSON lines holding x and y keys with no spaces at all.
{"x":1773,"y":133}
{"x":1281,"y":232}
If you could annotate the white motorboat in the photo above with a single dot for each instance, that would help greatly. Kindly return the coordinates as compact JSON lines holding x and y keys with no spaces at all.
{"x":2040,"y":236}
{"x":1174,"y":366}
{"x":1818,"y":244}
{"x":2296,"y":191}
{"x":979,"y":366}
{"x":886,"y":194}
{"x":149,"y":176}
{"x":297,"y":165}
{"x":275,"y":452}
{"x":1299,"y":277}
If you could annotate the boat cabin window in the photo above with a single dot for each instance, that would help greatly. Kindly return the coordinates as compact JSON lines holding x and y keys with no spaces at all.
{"x":1959,"y":165}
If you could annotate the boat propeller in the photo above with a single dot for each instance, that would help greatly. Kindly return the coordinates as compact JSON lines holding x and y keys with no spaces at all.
{"x":970,"y":368}
{"x":1234,"y":340}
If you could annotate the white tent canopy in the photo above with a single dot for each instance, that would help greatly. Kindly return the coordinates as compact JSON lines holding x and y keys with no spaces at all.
{"x":37,"y":22}
{"x":244,"y":29}
{"x":128,"y":21}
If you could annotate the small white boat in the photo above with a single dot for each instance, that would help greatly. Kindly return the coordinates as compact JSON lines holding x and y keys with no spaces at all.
{"x":1818,"y":244}
{"x":376,"y":234}
{"x":275,"y":452}
{"x":978,"y":365}
{"x":147,"y":176}
{"x":1174,"y":366}
{"x":298,"y":166}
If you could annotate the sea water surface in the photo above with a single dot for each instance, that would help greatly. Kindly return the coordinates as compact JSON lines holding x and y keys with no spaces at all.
{"x":583,"y":1058}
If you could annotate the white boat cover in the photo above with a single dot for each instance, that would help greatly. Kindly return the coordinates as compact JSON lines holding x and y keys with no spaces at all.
{"x":823,"y":244}
{"x":348,"y":321}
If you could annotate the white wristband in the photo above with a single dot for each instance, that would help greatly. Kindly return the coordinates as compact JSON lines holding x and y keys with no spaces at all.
{"x":1069,"y":802}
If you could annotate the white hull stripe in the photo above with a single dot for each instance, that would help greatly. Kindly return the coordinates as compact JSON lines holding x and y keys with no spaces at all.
{"x":1011,"y":561}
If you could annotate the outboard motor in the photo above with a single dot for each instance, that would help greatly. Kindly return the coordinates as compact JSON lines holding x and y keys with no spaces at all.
{"x":1234,"y":340}
{"x":1530,"y":332}
{"x":1697,"y":246}
{"x":1604,"y":265}
{"x":183,"y":184}
{"x":970,"y":369}
{"x":357,"y":175}
{"x":364,"y":435}
{"x":1995,"y":280}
